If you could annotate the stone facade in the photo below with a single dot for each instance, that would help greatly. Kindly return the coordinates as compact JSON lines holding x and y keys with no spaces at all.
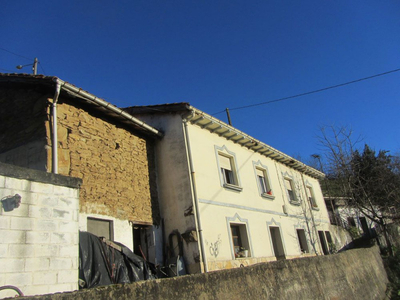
{"x":39,"y":239}
{"x":112,"y":162}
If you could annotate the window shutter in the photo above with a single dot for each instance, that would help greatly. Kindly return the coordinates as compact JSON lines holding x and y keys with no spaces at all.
{"x":225,"y":162}
{"x":260,"y":173}
{"x":288,"y":185}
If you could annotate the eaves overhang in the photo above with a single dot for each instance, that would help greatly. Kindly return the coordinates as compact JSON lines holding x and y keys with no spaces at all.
{"x":93,"y":101}
{"x":216,"y":126}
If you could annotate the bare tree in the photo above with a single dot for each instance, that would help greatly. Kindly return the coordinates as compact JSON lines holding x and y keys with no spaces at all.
{"x":370,"y":182}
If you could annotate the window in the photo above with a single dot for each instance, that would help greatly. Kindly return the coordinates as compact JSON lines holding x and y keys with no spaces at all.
{"x":302,"y":241}
{"x":290,"y":190}
{"x":101,"y":228}
{"x":311,"y":198}
{"x":240,"y":242}
{"x":228,"y":172}
{"x":263,"y":183}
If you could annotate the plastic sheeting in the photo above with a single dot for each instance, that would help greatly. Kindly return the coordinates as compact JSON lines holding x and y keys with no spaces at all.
{"x":100,"y":263}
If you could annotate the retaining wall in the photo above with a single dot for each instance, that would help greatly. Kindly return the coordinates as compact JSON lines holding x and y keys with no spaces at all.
{"x":354,"y":274}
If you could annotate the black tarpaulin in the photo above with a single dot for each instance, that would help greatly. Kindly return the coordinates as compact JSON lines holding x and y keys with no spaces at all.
{"x":104,"y":263}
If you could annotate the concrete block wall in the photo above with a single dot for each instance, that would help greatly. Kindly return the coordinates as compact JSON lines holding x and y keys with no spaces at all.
{"x":39,"y":248}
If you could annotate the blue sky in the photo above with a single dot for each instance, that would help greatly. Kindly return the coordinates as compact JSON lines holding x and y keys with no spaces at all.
{"x":219,"y":54}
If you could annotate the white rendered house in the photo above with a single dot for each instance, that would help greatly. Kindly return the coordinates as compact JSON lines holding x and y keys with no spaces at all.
{"x":235,"y":200}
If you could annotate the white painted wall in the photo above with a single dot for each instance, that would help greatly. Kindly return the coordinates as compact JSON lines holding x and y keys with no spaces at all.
{"x":219,"y":205}
{"x":39,"y":240}
{"x":174,"y":184}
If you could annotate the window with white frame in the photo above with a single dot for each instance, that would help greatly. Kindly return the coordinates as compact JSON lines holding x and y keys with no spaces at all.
{"x":240,"y":242}
{"x":311,"y":197}
{"x":228,"y":171}
{"x":290,"y":190}
{"x":263,"y":182}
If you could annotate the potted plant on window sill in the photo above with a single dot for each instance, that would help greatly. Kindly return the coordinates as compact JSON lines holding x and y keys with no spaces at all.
{"x":243,"y":252}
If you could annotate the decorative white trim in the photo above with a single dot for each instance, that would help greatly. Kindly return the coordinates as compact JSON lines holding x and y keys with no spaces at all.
{"x":273,"y":223}
{"x":236,"y":219}
{"x":264,"y":168}
{"x":290,"y":177}
{"x":224,"y":151}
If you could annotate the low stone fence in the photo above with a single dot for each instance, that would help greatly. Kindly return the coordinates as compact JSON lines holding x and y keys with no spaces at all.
{"x":354,"y":274}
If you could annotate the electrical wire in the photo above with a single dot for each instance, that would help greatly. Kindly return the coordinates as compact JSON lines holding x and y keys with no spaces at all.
{"x":1,"y":48}
{"x":308,"y":93}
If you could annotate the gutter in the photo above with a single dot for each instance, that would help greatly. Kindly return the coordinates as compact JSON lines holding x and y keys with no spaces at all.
{"x":108,"y":106}
{"x":55,"y":137}
{"x":194,"y":190}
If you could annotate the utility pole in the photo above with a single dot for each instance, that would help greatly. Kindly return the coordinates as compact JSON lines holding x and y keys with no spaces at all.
{"x":229,"y":116}
{"x":34,"y":67}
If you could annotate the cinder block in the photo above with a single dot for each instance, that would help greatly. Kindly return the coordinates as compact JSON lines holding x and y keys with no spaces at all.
{"x":60,"y":264}
{"x":37,"y":264}
{"x":60,"y":238}
{"x":61,"y":190}
{"x":46,"y":225}
{"x":62,"y":214}
{"x":33,"y":290}
{"x":45,"y":200}
{"x":3,"y":250}
{"x":12,"y":265}
{"x":69,"y":203}
{"x":44,"y":277}
{"x":43,"y":188}
{"x":5,"y":222}
{"x":12,"y":236}
{"x":19,"y":279}
{"x":35,"y":237}
{"x":71,"y":227}
{"x":68,"y":276}
{"x":49,"y":250}
{"x":39,"y":212}
{"x":28,"y":197}
{"x":69,"y":251}
{"x":21,"y":223}
{"x":20,"y":250}
{"x":16,"y":184}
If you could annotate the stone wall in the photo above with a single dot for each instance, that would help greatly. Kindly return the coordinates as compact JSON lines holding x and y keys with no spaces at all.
{"x":112,"y":162}
{"x":354,"y":274}
{"x":39,"y":239}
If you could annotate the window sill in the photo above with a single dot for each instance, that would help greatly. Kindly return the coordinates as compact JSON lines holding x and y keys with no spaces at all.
{"x":268,"y":196}
{"x":296,"y":203}
{"x":232,"y":187}
{"x":315,"y":207}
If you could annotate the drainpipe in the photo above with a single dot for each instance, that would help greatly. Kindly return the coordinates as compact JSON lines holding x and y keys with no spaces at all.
{"x":312,"y":215}
{"x":195,"y":199}
{"x":55,"y":138}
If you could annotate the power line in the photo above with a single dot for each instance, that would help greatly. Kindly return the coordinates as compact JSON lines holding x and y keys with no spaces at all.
{"x":311,"y":92}
{"x":1,"y":48}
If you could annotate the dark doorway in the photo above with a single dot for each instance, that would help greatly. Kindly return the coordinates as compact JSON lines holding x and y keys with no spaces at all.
{"x":277,"y":242}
